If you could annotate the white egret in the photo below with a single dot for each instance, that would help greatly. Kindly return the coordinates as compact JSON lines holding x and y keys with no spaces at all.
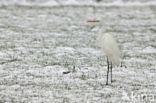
{"x":111,"y":50}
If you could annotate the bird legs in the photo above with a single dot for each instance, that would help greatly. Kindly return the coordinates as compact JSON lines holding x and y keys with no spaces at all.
{"x":108,"y":71}
{"x":111,"y":72}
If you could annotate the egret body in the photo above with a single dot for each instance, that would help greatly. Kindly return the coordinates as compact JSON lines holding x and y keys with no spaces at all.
{"x":111,"y":50}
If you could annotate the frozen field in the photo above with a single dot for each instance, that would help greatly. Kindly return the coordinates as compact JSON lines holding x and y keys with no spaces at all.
{"x":38,"y":43}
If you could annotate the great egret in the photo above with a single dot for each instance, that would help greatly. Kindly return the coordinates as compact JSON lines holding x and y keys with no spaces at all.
{"x":111,"y":50}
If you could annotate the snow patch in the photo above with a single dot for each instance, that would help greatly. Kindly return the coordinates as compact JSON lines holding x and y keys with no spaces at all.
{"x":149,"y":50}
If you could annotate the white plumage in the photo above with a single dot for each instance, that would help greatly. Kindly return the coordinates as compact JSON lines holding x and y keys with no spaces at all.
{"x":111,"y":50}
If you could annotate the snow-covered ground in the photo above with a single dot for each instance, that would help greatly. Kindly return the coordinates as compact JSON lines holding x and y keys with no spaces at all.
{"x":45,"y":3}
{"x":38,"y":44}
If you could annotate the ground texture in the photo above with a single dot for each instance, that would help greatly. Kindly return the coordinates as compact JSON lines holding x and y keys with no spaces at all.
{"x":38,"y":44}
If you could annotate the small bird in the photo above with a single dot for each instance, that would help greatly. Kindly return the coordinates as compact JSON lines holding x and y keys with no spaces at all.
{"x":111,"y":50}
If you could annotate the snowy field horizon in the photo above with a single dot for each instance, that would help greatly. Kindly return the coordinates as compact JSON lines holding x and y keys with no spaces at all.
{"x":41,"y":39}
{"x":50,"y":3}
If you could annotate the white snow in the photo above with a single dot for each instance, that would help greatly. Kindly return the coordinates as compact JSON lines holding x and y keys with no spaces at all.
{"x":48,"y":3}
{"x":37,"y":45}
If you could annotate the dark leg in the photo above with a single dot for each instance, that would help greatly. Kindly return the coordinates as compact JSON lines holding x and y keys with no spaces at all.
{"x":107,"y":70}
{"x":111,"y":72}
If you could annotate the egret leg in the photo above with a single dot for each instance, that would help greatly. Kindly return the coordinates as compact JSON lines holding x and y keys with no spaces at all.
{"x":111,"y":72}
{"x":107,"y":70}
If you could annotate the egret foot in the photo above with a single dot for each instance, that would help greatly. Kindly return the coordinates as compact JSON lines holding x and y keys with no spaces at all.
{"x":113,"y":81}
{"x":106,"y":83}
